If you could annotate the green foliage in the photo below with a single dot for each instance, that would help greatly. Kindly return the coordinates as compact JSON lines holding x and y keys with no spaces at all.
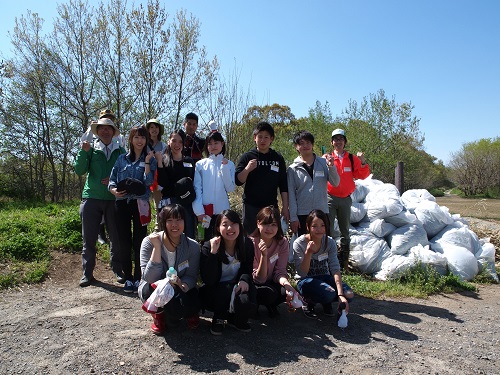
{"x":24,"y":246}
{"x":35,"y":272}
{"x":474,"y":169}
{"x":68,"y":235}
{"x":420,"y":281}
{"x":28,"y":231}
{"x":8,"y":280}
{"x":437,"y":192}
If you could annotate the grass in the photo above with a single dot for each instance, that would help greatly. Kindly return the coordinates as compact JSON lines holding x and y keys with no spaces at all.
{"x":30,"y":231}
{"x":420,"y":281}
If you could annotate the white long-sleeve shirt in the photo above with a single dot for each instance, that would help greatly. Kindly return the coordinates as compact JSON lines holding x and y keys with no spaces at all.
{"x":212,"y":181}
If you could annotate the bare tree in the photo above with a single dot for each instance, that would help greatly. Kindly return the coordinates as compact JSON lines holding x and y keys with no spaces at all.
{"x":149,"y":62}
{"x":191,"y":73}
{"x":114,"y":76}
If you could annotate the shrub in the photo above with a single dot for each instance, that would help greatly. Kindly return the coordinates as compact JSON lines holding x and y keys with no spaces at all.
{"x":24,"y":246}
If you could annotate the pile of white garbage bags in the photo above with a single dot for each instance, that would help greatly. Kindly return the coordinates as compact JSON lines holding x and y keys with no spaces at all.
{"x":391,"y":232}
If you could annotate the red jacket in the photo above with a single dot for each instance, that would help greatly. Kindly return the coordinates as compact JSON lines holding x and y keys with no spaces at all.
{"x":347,"y":177}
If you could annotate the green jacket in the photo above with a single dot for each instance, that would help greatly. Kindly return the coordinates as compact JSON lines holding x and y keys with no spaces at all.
{"x":97,"y":167}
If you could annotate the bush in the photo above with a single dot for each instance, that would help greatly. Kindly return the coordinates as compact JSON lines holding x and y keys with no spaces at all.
{"x":24,"y":246}
{"x":437,"y":192}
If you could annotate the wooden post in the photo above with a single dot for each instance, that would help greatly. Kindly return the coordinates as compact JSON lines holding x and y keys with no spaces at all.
{"x":399,"y":175}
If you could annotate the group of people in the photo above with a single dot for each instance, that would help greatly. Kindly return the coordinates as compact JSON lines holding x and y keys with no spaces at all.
{"x":242,"y":261}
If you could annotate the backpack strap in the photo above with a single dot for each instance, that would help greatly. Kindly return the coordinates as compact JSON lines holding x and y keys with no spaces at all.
{"x":351,"y":158}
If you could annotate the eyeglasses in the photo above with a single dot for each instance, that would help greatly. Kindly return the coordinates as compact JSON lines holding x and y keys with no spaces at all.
{"x":338,"y":139}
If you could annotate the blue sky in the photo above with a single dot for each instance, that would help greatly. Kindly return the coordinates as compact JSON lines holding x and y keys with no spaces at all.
{"x":443,"y":56}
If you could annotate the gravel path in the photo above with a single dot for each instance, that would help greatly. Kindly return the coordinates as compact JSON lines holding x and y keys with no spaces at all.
{"x":59,"y":328}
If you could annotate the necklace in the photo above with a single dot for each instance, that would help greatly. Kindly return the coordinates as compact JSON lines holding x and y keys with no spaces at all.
{"x":167,"y":241}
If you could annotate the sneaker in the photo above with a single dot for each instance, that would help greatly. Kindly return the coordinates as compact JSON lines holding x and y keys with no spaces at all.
{"x":86,"y":281}
{"x":242,"y":327}
{"x":128,"y":287}
{"x":136,"y":286}
{"x":193,"y":322}
{"x":120,"y":277}
{"x":217,"y":327}
{"x":308,"y":310}
{"x":328,"y":309}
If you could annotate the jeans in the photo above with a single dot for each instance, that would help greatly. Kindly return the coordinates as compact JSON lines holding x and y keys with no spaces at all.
{"x":320,"y":289}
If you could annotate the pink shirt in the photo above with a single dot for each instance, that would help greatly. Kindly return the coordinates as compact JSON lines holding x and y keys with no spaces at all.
{"x":277,"y":260}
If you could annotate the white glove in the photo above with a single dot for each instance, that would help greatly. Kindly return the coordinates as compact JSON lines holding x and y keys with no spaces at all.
{"x":206,"y":221}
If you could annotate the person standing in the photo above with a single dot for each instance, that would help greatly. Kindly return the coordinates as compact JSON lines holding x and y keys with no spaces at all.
{"x":213,"y":180}
{"x":156,"y":130}
{"x":138,"y":166}
{"x":308,"y":176}
{"x":193,"y":145}
{"x":349,"y":167}
{"x":175,"y":175}
{"x":263,"y":171}
{"x":96,"y":160}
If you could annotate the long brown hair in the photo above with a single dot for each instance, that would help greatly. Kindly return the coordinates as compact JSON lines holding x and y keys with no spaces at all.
{"x":143,"y":132}
{"x":268,"y":215}
{"x":240,"y":240}
{"x":320,"y":215}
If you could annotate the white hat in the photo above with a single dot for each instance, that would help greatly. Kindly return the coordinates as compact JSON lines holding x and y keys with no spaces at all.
{"x":213,"y":126}
{"x":105,"y":121}
{"x":338,"y":132}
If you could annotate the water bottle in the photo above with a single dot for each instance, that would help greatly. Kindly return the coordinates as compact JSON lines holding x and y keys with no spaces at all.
{"x":172,"y":274}
{"x":295,"y":302}
{"x":342,"y":319}
{"x":200,"y":236}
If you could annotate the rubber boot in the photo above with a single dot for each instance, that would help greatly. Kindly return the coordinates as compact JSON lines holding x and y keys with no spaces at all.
{"x":344,"y":250}
{"x":158,"y":325}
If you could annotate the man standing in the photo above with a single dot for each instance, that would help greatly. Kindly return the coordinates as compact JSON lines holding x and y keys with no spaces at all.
{"x":193,"y":146}
{"x":307,"y":182}
{"x":263,"y":171}
{"x":349,"y":167}
{"x":97,"y":160}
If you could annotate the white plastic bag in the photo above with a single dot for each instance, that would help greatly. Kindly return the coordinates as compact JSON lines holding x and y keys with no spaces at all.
{"x":368,"y":252}
{"x":433,"y":217}
{"x":404,"y":238}
{"x":358,"y":212}
{"x":378,"y":227}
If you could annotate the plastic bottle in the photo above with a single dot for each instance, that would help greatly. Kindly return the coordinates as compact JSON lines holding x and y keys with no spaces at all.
{"x":342,"y":319}
{"x":200,"y":235}
{"x":295,"y":302}
{"x":172,"y":274}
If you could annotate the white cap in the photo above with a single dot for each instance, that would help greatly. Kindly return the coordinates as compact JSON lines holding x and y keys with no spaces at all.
{"x":338,"y":132}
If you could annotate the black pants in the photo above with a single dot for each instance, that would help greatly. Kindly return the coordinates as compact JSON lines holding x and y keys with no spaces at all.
{"x":130,"y":235}
{"x":218,"y":297}
{"x":269,"y":294}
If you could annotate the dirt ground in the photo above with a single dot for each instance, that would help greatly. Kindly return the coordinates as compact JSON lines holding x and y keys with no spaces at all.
{"x":59,"y":328}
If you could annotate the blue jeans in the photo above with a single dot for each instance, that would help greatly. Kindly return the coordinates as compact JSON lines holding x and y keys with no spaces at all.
{"x":320,"y":289}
